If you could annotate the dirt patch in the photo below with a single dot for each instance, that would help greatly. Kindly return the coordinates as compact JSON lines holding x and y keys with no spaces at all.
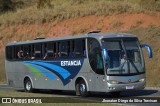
{"x":75,"y":26}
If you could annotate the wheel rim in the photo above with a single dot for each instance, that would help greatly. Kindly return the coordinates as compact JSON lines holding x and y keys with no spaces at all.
{"x":82,"y":88}
{"x":28,"y":86}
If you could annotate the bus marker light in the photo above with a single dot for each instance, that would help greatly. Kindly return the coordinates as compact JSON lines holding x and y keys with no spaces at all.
{"x":113,"y":82}
{"x":111,"y":88}
{"x":142,"y":80}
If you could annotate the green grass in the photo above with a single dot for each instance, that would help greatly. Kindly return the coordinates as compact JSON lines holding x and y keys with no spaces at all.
{"x":2,"y":69}
{"x":63,"y":9}
{"x":6,"y":93}
{"x":66,"y":99}
{"x":63,"y":104}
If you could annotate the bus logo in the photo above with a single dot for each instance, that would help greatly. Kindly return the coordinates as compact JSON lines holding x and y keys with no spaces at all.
{"x":71,"y":63}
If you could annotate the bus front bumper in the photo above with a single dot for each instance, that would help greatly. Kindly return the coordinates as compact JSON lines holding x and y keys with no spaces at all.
{"x":124,"y":87}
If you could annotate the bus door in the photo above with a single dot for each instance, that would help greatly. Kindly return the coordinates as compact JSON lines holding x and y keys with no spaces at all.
{"x":96,"y":63}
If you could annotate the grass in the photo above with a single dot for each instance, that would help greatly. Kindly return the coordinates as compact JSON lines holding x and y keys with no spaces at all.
{"x":63,"y":104}
{"x":136,"y":24}
{"x":100,"y":24}
{"x":116,"y":23}
{"x":60,"y":99}
{"x":75,"y":8}
{"x":2,"y":69}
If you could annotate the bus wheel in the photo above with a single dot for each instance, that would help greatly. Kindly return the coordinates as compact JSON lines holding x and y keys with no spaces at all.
{"x":28,"y":85}
{"x":83,"y":89}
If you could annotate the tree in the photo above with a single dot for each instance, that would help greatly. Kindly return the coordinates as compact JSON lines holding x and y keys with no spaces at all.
{"x":6,"y":5}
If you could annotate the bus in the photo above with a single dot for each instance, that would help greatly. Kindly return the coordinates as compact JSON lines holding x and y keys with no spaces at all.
{"x":93,"y":62}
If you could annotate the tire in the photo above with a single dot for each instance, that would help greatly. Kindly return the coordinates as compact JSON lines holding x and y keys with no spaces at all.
{"x":28,"y":85}
{"x":83,"y":89}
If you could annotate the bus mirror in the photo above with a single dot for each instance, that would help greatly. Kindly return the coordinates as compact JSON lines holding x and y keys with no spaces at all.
{"x":105,"y":53}
{"x":149,"y":50}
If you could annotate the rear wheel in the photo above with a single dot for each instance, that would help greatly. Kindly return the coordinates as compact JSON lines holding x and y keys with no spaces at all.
{"x":82,"y":89}
{"x":28,"y":85}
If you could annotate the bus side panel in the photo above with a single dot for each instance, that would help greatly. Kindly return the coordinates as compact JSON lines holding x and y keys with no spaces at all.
{"x":10,"y":74}
{"x":93,"y":81}
{"x":15,"y":74}
{"x":41,"y":80}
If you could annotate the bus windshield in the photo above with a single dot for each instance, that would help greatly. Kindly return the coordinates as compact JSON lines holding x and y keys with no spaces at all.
{"x":125,"y":56}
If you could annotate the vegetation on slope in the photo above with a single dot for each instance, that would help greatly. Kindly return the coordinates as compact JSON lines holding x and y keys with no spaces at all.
{"x":64,"y":9}
{"x":151,"y":36}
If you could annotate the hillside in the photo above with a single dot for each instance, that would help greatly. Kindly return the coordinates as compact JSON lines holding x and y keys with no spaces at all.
{"x":75,"y":17}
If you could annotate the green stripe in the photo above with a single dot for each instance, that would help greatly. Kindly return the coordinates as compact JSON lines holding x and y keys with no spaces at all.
{"x":33,"y":69}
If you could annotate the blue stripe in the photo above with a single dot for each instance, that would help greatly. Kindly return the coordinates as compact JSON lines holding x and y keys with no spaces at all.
{"x":63,"y":72}
{"x":43,"y":71}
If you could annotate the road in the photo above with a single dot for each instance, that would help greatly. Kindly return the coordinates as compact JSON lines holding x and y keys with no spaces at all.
{"x":99,"y":97}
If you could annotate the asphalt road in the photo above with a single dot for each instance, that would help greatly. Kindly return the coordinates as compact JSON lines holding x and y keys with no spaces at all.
{"x":99,"y":97}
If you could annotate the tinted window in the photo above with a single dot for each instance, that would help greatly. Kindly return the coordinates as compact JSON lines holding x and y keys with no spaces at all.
{"x":79,"y":47}
{"x":37,"y":51}
{"x":49,"y":50}
{"x":9,"y":52}
{"x":27,"y":51}
{"x":63,"y":49}
{"x":95,"y":56}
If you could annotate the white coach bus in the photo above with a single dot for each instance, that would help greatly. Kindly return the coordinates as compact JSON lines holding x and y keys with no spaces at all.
{"x":99,"y":62}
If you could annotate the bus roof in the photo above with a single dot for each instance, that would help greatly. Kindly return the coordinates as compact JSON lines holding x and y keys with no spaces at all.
{"x":93,"y":35}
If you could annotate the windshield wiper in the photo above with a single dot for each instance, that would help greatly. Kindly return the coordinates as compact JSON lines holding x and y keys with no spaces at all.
{"x":134,"y":65}
{"x":122,"y":65}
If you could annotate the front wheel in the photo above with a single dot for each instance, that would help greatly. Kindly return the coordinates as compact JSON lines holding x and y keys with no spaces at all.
{"x":28,"y":85}
{"x":83,"y":89}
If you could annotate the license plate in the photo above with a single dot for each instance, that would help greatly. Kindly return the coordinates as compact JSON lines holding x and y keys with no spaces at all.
{"x":129,"y":87}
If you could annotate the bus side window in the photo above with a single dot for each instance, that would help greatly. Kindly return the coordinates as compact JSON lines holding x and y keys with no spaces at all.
{"x":63,"y":49}
{"x":9,"y":52}
{"x":71,"y":51}
{"x":79,"y":47}
{"x":37,"y":51}
{"x":16,"y":52}
{"x":49,"y":50}
{"x":20,"y":52}
{"x":27,"y":49}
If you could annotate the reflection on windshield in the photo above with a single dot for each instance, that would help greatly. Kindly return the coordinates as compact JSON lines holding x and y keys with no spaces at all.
{"x":133,"y":52}
{"x":124,"y":57}
{"x":115,"y":53}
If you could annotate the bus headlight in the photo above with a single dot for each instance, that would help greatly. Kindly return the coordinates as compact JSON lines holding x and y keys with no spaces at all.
{"x":142,"y":80}
{"x":113,"y":82}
